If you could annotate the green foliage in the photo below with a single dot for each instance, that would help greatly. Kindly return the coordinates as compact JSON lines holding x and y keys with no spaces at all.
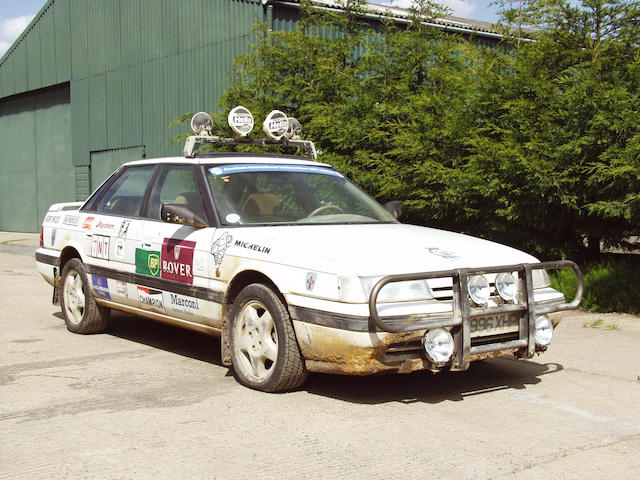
{"x":611,"y":284}
{"x":531,"y":143}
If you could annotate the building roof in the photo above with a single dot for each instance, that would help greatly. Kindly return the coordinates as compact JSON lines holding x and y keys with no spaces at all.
{"x":447,"y":22}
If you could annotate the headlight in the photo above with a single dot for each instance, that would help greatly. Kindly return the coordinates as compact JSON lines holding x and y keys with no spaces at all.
{"x":479,"y":289}
{"x":438,"y":345}
{"x":544,"y":331}
{"x":540,"y":278}
{"x":507,"y":286}
{"x":409,"y":291}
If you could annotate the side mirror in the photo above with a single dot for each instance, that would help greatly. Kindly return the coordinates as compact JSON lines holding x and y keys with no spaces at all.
{"x":395,"y":208}
{"x":181,"y":214}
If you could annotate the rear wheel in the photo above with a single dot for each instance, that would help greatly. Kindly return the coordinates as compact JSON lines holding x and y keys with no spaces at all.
{"x":81,"y":312}
{"x":264,"y":349}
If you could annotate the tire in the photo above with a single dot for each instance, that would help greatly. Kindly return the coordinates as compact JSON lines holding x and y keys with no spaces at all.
{"x":81,"y":312}
{"x":264,"y":349}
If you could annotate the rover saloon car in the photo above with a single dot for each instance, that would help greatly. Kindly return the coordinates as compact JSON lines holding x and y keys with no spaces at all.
{"x":291,"y":265}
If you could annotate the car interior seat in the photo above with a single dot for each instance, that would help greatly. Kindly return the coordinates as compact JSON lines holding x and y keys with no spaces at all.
{"x":260,"y":204}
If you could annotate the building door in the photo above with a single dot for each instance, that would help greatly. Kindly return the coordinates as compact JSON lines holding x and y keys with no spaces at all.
{"x":36,"y":168}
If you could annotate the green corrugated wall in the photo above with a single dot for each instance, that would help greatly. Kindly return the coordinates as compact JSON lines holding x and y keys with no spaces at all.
{"x":36,"y":168}
{"x":124,"y":70}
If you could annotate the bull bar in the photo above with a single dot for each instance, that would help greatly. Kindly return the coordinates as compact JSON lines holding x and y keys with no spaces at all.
{"x":463,"y":312}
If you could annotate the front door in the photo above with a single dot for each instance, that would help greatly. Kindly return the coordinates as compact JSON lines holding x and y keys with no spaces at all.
{"x":176,"y":258}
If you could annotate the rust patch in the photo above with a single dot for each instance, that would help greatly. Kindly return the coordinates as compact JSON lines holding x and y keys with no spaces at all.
{"x":331,"y":350}
{"x":496,"y":354}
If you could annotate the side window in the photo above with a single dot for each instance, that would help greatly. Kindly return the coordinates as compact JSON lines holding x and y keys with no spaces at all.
{"x":176,"y":185}
{"x":125,"y":195}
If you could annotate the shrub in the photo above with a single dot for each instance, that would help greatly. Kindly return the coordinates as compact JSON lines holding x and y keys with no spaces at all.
{"x":611,"y":284}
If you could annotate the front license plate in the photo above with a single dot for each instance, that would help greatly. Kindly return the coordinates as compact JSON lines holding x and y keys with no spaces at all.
{"x":494,"y":324}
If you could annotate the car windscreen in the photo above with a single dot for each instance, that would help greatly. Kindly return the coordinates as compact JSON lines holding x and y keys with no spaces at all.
{"x":267,"y":194}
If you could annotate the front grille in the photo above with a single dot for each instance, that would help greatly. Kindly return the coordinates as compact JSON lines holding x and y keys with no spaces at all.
{"x":404,"y":348}
{"x":489,"y":339}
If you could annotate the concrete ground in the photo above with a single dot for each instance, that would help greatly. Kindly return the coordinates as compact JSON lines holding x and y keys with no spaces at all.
{"x":148,"y":401}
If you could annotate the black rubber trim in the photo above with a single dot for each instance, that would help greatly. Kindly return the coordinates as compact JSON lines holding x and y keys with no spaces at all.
{"x":158,"y":283}
{"x":357,"y":323}
{"x":48,"y":259}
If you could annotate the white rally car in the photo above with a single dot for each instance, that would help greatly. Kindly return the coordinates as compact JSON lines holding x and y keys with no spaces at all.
{"x":294,"y":267}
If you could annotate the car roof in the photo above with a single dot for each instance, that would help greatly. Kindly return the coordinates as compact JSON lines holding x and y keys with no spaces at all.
{"x":223,"y":158}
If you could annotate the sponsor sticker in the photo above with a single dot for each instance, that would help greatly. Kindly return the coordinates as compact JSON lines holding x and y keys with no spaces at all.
{"x":151,"y":299}
{"x":53,"y":236}
{"x":252,"y":246}
{"x":121,"y":288}
{"x":311,"y":280}
{"x":100,"y":286}
{"x":177,"y":260}
{"x":72,"y":220}
{"x":253,"y":167}
{"x":183,"y":304}
{"x":105,"y":226}
{"x":88,"y":222}
{"x":124,"y":229}
{"x":100,"y":246}
{"x":52,"y":219}
{"x":219,"y":248}
{"x":118,"y":251}
{"x":148,"y":262}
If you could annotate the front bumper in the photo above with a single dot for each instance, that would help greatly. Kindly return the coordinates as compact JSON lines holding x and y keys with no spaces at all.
{"x":393,"y":343}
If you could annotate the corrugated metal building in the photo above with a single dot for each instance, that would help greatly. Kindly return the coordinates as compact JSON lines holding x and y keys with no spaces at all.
{"x":91,"y":84}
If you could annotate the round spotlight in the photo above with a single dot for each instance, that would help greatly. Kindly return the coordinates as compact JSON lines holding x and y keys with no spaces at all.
{"x":201,"y":123}
{"x":507,"y":286}
{"x":544,"y":331}
{"x":479,"y":289}
{"x":275,"y":125}
{"x":240,"y":120}
{"x":295,"y":129}
{"x":438,"y":345}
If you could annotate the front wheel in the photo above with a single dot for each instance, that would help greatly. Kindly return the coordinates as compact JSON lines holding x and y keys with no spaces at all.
{"x":81,"y":312}
{"x":264,"y":349}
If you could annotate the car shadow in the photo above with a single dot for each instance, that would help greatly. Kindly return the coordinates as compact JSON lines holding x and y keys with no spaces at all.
{"x":422,"y":386}
{"x":483,"y":376}
{"x":180,"y":341}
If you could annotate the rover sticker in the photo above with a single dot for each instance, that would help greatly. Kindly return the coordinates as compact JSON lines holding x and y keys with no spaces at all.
{"x":177,"y":260}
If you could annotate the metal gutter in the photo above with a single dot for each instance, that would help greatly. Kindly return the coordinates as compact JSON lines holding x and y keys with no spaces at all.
{"x":379,"y":16}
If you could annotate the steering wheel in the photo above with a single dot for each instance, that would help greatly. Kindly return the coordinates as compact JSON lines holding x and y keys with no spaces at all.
{"x":323,"y":208}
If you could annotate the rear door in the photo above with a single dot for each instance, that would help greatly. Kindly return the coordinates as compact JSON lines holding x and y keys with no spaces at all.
{"x":112,"y":232}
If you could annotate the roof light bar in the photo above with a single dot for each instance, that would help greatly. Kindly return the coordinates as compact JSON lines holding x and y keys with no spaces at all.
{"x":281,"y":130}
